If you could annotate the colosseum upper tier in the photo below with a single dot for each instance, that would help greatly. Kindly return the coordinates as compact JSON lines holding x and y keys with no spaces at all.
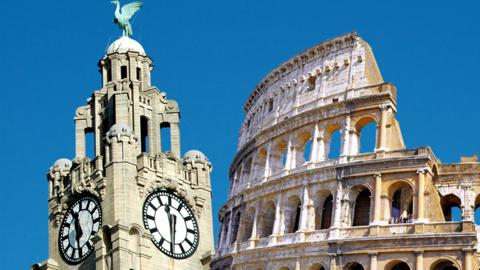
{"x":292,"y":205}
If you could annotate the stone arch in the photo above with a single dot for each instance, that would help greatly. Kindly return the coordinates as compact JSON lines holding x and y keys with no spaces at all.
{"x":267,"y":219}
{"x":445,"y":264}
{"x":360,"y":195}
{"x":303,"y":146}
{"x":316,"y":266}
{"x":400,"y":202}
{"x":355,"y":135}
{"x":450,"y":203}
{"x":329,"y":131}
{"x":284,"y":268}
{"x":353,"y":266}
{"x":323,"y":203}
{"x":258,"y":169}
{"x":134,"y":244}
{"x":397,"y":265}
{"x":291,"y":213}
{"x":246,"y":225}
{"x":235,"y":226}
{"x":278,"y":155}
{"x":247,"y":170}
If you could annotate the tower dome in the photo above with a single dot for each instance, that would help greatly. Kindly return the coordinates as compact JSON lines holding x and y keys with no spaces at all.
{"x":125,"y":44}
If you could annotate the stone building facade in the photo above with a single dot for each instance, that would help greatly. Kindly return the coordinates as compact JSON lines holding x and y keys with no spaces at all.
{"x":128,"y":118}
{"x":293,"y":206}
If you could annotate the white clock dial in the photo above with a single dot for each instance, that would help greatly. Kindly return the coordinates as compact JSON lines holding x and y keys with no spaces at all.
{"x":82,"y":221}
{"x":171,"y":223}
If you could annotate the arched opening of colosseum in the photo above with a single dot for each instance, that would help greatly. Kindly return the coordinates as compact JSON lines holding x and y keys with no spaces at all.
{"x":400,"y":195}
{"x":235,"y":225}
{"x":259,"y":166}
{"x":323,"y":210}
{"x":284,"y":268}
{"x":224,"y":230}
{"x":238,"y":175}
{"x":361,"y":213}
{"x":397,"y":265}
{"x":292,"y":214}
{"x":304,"y":148}
{"x":364,"y":137}
{"x":247,"y":170}
{"x":452,"y":208}
{"x":278,"y":156}
{"x":247,"y":224}
{"x":333,"y":141}
{"x":353,"y":266}
{"x":476,"y":212}
{"x":444,"y":264}
{"x":316,"y":266}
{"x":267,"y":219}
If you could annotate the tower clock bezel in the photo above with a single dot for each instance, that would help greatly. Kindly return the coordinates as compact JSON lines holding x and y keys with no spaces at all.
{"x":74,"y":202}
{"x":191,"y":229}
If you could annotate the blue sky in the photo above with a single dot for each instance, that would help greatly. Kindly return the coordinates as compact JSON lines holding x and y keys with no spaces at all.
{"x":208,"y":56}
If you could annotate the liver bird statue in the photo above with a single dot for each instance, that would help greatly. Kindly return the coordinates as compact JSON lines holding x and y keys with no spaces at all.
{"x":123,"y":15}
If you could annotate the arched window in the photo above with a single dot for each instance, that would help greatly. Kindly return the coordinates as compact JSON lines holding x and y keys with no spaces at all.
{"x":278,"y":156}
{"x":247,"y":224}
{"x":353,"y":266}
{"x":267,"y":220}
{"x":316,"y":266}
{"x":292,"y":214}
{"x":303,"y":148}
{"x":397,"y":265}
{"x":401,"y":203}
{"x":477,"y":210}
{"x":235,"y":225}
{"x":361,"y":216}
{"x":444,"y":265}
{"x":333,"y":142}
{"x":451,"y":206}
{"x":327,"y":213}
{"x":364,"y":137}
{"x":259,"y":166}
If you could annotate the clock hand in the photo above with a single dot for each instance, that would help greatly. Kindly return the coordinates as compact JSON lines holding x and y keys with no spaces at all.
{"x":78,"y":229}
{"x":172,"y":234}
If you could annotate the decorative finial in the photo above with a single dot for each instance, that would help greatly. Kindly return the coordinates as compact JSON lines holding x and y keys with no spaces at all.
{"x":123,"y":16}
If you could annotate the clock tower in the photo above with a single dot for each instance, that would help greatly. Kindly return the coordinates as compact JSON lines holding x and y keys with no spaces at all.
{"x":136,"y":203}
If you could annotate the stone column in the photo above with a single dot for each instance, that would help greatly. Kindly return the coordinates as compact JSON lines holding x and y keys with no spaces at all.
{"x":80,"y":151}
{"x":338,"y":205}
{"x":419,"y":260}
{"x":420,"y":195}
{"x":175,"y":139}
{"x":277,"y":223}
{"x":346,"y":137}
{"x":304,"y":212}
{"x":373,"y":261}
{"x":314,"y":153}
{"x":290,"y":164}
{"x":378,"y":192}
{"x":467,"y":259}
{"x":267,"y":171}
{"x":383,"y":128}
{"x":255,"y":224}
{"x":229,"y":229}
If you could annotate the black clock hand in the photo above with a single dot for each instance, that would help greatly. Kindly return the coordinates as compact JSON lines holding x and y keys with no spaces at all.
{"x":78,"y":229}
{"x":170,"y":222}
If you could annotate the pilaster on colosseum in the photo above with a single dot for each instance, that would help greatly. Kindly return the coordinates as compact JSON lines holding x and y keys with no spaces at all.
{"x":294,"y":205}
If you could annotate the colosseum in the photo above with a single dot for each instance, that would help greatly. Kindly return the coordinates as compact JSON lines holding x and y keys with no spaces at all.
{"x":294,"y":205}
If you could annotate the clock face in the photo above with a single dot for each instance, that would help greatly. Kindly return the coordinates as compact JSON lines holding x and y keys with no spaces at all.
{"x":171,"y":223}
{"x":81,"y":222}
